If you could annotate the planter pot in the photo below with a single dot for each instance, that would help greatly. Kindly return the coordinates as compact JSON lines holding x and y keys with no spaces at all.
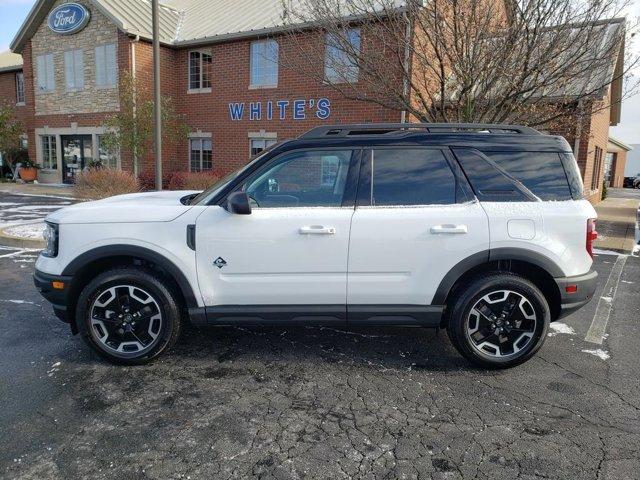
{"x":28,"y":174}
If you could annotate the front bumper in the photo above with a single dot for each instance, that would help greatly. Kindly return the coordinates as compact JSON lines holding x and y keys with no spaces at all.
{"x":59,"y":298}
{"x":585,"y":286}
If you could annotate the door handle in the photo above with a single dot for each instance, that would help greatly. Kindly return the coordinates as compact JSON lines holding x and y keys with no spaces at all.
{"x":449,"y":229}
{"x":317,"y":230}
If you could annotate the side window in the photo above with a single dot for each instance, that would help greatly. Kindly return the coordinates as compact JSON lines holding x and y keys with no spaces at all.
{"x":298,"y":179}
{"x":489,"y":183}
{"x":573,"y":175}
{"x":406,"y":177}
{"x":542,"y":173}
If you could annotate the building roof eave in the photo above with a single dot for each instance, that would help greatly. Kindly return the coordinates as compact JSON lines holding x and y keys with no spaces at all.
{"x":620,"y":144}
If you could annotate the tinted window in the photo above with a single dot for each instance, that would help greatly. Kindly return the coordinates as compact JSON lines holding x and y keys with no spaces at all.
{"x":310,"y":178}
{"x":573,"y":175}
{"x":411,"y":177}
{"x":542,"y":173}
{"x":488,"y":182}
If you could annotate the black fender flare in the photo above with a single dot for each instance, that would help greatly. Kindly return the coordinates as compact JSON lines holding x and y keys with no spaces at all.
{"x":486,"y":256}
{"x":134,"y":251}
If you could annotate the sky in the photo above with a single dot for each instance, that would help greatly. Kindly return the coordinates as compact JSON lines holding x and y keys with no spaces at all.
{"x":13,"y":13}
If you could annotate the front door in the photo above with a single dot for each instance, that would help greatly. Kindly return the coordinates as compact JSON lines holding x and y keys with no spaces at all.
{"x":77,"y":153}
{"x":291,"y":251}
{"x":412,"y":225}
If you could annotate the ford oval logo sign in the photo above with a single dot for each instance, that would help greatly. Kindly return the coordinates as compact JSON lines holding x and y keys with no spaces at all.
{"x":68,"y":18}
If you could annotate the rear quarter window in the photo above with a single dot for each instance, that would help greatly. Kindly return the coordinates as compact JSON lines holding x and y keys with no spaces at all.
{"x":542,"y":173}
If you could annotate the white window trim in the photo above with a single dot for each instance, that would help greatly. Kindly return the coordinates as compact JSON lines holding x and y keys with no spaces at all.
{"x":198,"y":90}
{"x":342,"y":81}
{"x":116,"y":155}
{"x":41,"y":138}
{"x":261,"y":135}
{"x":200,"y":136}
{"x":24,"y":93}
{"x":263,"y":86}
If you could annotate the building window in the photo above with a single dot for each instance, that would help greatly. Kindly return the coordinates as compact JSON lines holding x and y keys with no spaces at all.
{"x":74,"y":69}
{"x":329,"y":171}
{"x":258,"y":145}
{"x":264,"y":63}
{"x":49,"y":152}
{"x":200,"y":64}
{"x":20,"y":88}
{"x":201,"y":154}
{"x":107,"y":157}
{"x":45,"y":73}
{"x":341,"y":56}
{"x":597,"y":165}
{"x":106,"y":66}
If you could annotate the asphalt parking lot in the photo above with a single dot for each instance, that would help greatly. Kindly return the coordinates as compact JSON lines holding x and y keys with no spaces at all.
{"x":317,"y":402}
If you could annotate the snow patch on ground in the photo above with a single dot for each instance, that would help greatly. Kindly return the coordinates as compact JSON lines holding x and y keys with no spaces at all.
{"x":558,"y":327}
{"x":598,"y":251}
{"x":31,"y":231}
{"x":19,"y":302}
{"x":601,"y":354}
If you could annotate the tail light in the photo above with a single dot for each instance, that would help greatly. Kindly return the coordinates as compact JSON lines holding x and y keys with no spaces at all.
{"x":592,"y":235}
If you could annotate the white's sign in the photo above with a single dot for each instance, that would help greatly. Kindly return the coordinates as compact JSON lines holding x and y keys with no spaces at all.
{"x":298,"y":109}
{"x":68,"y":18}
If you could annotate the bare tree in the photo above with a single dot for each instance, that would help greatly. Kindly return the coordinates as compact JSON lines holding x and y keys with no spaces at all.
{"x":131,"y":129}
{"x":524,"y":61}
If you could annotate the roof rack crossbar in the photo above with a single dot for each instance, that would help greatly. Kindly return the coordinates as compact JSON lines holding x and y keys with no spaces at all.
{"x":388,"y":128}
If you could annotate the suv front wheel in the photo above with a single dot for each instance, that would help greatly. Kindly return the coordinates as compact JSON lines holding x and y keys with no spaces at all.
{"x":128,"y":316}
{"x":498,"y":320}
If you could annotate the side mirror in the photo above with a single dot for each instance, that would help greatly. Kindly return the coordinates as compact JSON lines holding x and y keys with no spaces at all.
{"x":238,"y":203}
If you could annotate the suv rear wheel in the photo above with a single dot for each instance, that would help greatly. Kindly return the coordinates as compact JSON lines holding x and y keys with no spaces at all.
{"x":128,"y":316}
{"x":499,"y":320}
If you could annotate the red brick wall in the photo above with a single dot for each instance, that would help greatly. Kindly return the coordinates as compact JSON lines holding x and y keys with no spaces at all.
{"x":8,"y":95}
{"x":209,"y":112}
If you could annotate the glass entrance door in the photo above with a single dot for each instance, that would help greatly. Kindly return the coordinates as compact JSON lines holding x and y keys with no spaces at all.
{"x":77,"y":153}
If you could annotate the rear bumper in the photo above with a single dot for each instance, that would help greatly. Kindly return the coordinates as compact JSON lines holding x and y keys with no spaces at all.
{"x":585,"y":288}
{"x":59,"y":298}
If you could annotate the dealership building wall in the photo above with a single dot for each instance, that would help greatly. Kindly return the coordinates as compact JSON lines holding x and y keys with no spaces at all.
{"x":231,"y":117}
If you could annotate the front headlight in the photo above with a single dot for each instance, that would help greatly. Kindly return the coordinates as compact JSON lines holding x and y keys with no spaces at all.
{"x":51,"y":234}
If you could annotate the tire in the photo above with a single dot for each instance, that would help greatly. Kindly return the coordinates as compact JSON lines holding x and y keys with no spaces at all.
{"x":128,"y":316}
{"x":498,"y":320}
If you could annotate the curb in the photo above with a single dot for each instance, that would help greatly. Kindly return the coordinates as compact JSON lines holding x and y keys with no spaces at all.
{"x":19,"y":242}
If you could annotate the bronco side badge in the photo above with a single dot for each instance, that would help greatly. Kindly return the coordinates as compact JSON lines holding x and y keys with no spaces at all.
{"x":219,"y":262}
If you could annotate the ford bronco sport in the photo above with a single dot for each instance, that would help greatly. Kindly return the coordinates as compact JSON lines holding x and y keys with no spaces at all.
{"x":479,"y":229}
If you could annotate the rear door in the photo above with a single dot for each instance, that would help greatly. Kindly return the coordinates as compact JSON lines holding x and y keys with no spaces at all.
{"x":415,"y":220}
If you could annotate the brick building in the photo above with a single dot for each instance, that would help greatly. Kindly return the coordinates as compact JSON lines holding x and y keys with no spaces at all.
{"x":615,"y":163}
{"x":221,"y":70}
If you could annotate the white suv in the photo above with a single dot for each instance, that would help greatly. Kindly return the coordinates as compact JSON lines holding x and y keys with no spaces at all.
{"x":479,"y":229}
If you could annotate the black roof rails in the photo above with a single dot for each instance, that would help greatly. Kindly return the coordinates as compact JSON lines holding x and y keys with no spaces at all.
{"x":390,"y":128}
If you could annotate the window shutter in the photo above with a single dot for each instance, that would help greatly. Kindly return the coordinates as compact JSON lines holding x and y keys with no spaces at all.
{"x":78,"y":65}
{"x":100,"y":64}
{"x":110,"y":52}
{"x":69,"y":74}
{"x":51,"y":75}
{"x":41,"y":72}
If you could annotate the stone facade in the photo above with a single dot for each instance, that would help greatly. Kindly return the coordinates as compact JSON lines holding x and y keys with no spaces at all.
{"x":91,"y":99}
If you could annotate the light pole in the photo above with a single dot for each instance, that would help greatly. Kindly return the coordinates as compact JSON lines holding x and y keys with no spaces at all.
{"x":157,"y":104}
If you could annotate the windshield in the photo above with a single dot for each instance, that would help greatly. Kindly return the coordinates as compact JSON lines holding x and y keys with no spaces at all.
{"x":206,"y":196}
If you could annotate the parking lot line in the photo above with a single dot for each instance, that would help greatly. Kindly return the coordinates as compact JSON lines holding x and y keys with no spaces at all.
{"x":598,"y":326}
